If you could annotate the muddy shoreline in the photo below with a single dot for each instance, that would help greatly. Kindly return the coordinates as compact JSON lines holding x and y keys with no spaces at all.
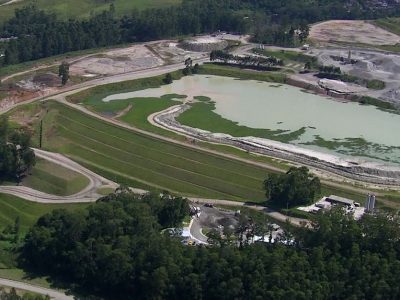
{"x":370,"y":172}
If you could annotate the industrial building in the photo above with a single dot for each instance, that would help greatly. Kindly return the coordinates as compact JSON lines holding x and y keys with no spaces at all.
{"x":340,"y":200}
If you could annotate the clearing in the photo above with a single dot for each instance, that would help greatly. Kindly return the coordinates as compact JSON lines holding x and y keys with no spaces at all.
{"x":347,"y":31}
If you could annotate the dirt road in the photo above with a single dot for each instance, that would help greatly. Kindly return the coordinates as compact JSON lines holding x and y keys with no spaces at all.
{"x":88,"y":194}
{"x":53,"y":294}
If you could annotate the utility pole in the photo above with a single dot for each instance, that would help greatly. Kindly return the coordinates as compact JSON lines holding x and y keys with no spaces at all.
{"x":40,"y":133}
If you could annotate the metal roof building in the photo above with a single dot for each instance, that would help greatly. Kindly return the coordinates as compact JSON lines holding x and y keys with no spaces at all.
{"x":339,"y":200}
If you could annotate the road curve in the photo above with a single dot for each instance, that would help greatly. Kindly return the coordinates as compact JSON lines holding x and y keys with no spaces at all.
{"x":53,"y":294}
{"x":268,"y":211}
{"x":105,"y":80}
{"x":88,"y":194}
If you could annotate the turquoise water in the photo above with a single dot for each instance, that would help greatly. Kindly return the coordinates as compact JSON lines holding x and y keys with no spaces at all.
{"x":331,"y":125}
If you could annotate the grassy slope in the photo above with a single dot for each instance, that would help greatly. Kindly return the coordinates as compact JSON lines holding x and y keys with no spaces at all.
{"x":54,"y":179}
{"x":10,"y":208}
{"x":390,"y":24}
{"x":144,"y":162}
{"x":29,"y":212}
{"x":83,"y":8}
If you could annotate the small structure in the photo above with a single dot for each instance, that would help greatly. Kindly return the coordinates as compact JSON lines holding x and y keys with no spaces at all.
{"x":339,"y":200}
{"x":370,"y":203}
{"x":305,"y":47}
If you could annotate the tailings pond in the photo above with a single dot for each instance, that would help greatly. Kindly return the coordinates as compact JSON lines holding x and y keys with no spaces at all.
{"x":327,"y":125}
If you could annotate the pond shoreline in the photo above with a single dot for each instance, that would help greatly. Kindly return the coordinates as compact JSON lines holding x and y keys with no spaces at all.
{"x":371,"y":172}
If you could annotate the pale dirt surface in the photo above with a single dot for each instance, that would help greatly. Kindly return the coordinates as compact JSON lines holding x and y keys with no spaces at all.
{"x":133,"y":58}
{"x":10,"y":2}
{"x":169,"y":52}
{"x":352,"y":32}
{"x":123,"y":112}
{"x":53,"y":294}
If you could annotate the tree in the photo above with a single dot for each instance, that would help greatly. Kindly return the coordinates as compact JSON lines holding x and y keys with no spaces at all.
{"x":16,"y":156}
{"x":3,"y":129}
{"x":168,"y":78}
{"x":196,"y":69}
{"x":296,"y":187}
{"x":188,"y":62}
{"x":63,"y":72}
{"x":304,"y":30}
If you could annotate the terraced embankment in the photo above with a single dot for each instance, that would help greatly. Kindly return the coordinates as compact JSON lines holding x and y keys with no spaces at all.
{"x":145,"y":162}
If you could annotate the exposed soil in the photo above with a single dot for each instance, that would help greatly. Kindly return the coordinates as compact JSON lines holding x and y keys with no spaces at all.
{"x":47,"y":79}
{"x":117,"y":61}
{"x":352,"y":32}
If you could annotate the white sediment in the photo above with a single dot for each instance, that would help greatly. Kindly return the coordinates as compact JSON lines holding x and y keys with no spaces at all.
{"x":355,"y":168}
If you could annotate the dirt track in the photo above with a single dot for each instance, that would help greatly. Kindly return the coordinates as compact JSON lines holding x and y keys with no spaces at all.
{"x":53,"y":294}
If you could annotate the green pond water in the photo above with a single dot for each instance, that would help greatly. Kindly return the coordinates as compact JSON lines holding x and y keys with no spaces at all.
{"x":331,"y":125}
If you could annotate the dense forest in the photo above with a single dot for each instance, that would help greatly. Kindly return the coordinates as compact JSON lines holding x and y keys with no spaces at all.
{"x":37,"y":34}
{"x":115,"y":249}
{"x":16,"y":156}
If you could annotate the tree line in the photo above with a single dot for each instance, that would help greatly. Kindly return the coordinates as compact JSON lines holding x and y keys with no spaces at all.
{"x":40,"y":34}
{"x":116,"y":249}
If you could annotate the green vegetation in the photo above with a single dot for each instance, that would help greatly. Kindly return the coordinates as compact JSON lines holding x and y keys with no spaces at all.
{"x":248,"y":62}
{"x":85,"y":8}
{"x":16,"y":218}
{"x":202,"y":116}
{"x":144,"y":162}
{"x":54,"y":179}
{"x":376,"y":102}
{"x":12,"y":207}
{"x":390,"y":24}
{"x":93,"y":96}
{"x":290,"y":58}
{"x":215,"y":69}
{"x":375,"y":84}
{"x":13,"y":294}
{"x":16,"y":156}
{"x":63,"y":72}
{"x":357,"y":254}
{"x":296,"y":187}
{"x":105,"y":191}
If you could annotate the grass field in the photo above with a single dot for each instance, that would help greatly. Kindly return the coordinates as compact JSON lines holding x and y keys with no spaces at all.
{"x":148,"y":163}
{"x":54,"y":179}
{"x":83,"y":8}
